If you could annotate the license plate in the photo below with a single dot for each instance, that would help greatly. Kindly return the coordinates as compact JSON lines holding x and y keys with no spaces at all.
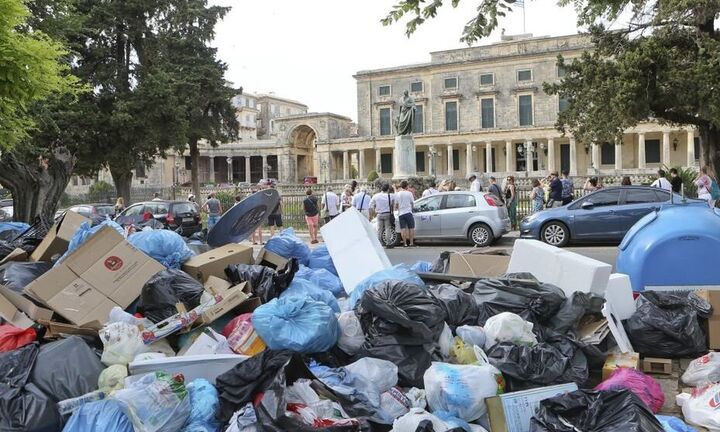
{"x":188,"y":219}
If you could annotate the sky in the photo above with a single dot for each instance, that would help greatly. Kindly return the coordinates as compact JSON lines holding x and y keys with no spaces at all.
{"x":309,"y":50}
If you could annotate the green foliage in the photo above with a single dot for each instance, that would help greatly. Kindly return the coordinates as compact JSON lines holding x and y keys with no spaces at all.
{"x":101,"y":191}
{"x":226,"y":198}
{"x":354,"y":172}
{"x":372,"y":176}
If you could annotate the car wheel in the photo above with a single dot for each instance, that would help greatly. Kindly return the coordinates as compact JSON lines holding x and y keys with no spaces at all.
{"x":393,"y":238}
{"x":481,"y":235}
{"x":555,"y":234}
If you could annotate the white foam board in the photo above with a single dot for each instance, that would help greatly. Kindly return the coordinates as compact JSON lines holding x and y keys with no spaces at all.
{"x":192,"y":367}
{"x":620,"y":295}
{"x":617,"y":329}
{"x":538,"y":258}
{"x":354,"y":247}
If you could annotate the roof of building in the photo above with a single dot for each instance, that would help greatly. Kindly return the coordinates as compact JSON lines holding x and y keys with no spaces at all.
{"x":313,"y":115}
{"x":281,"y":99}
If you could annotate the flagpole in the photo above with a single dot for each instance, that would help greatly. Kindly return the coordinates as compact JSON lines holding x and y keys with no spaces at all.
{"x":523,"y":18}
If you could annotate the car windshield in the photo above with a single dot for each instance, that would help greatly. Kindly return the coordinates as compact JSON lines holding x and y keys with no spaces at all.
{"x":105,"y":210}
{"x":428,"y":204}
{"x":182,"y":208}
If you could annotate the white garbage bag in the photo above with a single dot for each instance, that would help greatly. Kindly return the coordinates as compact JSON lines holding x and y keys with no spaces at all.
{"x":156,"y":402}
{"x":471,"y":335}
{"x":446,"y":342}
{"x":703,"y":407}
{"x":410,"y":421}
{"x":351,"y":334}
{"x":395,"y":403}
{"x":703,"y":370}
{"x":381,"y":373}
{"x":508,"y":327}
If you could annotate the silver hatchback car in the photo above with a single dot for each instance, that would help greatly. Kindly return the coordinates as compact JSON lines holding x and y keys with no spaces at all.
{"x":479,"y":217}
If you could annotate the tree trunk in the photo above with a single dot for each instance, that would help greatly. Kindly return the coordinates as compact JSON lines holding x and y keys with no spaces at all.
{"x":123,"y":181}
{"x":194,"y":169}
{"x":36,"y":185}
{"x":710,"y":148}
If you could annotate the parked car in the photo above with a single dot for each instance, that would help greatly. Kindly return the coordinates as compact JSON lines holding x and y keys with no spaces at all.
{"x":478,"y":217}
{"x":93,"y":211}
{"x":310,"y":180}
{"x":601,"y":216}
{"x":180,"y":216}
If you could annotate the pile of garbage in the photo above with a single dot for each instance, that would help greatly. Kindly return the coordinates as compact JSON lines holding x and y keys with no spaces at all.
{"x":108,"y":330}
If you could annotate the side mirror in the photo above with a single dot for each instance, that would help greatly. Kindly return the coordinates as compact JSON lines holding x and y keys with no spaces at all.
{"x":587,"y":205}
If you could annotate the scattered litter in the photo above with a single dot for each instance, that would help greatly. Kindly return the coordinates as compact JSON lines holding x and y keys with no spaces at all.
{"x":703,"y":370}
{"x":644,"y":386}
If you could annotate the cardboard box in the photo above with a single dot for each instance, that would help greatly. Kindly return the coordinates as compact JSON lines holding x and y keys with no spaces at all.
{"x":216,"y":285}
{"x":11,"y":314}
{"x":58,"y":238}
{"x":24,"y":305}
{"x":106,"y":271}
{"x":618,"y":360}
{"x":473,"y":264}
{"x":232,"y":298}
{"x":271,"y":259}
{"x":657,"y":365}
{"x":213,"y":263}
{"x":713,"y":323}
{"x":16,"y":255}
{"x":511,"y":412}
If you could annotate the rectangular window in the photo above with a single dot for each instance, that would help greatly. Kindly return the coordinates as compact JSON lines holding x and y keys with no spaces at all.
{"x":416,"y":87}
{"x":487,"y":79}
{"x":696,"y":143}
{"x":384,"y":90}
{"x":525,"y":110}
{"x":607,"y":154}
{"x":487,"y":113}
{"x":385,"y":127}
{"x":563,"y":105}
{"x":451,"y":120}
{"x":188,"y":163}
{"x":451,"y":83}
{"x":420,"y":161}
{"x":456,"y":160}
{"x":386,"y":163}
{"x":418,"y":126}
{"x":652,"y":151}
{"x":561,"y":71}
{"x":524,"y":75}
{"x":140,"y":170}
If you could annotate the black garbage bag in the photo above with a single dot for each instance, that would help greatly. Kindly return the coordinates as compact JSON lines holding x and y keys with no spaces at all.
{"x":573,"y":309}
{"x":520,"y":294}
{"x":666,"y":324}
{"x":441,"y":263}
{"x":556,"y":360}
{"x":6,"y":249}
{"x":17,"y":275}
{"x":266,"y":283}
{"x":460,"y":307}
{"x":166,"y":289}
{"x":199,"y":236}
{"x":412,"y":360}
{"x":23,"y":406}
{"x":594,"y":411}
{"x":66,"y":369}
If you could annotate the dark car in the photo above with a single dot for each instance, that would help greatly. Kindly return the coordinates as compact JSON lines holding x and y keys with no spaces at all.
{"x":94,"y":211}
{"x":180,"y":216}
{"x":601,"y":216}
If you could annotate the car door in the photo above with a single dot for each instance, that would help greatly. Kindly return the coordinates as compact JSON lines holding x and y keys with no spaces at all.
{"x":131,"y":215}
{"x":595,"y":216}
{"x":636,"y":203}
{"x":456,"y":211}
{"x":426,"y":212}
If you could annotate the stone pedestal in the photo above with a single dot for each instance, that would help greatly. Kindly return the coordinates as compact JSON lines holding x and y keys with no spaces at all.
{"x":404,"y":157}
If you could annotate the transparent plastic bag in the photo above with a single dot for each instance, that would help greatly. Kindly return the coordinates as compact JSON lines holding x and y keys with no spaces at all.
{"x":351,"y":334}
{"x":381,"y":373}
{"x":703,"y":370}
{"x":156,"y":402}
{"x":508,"y":327}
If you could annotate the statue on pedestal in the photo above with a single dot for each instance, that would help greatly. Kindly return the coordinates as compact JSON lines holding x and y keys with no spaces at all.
{"x":406,"y":115}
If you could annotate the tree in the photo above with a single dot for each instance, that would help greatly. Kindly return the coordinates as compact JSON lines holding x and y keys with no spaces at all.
{"x":664,"y":66}
{"x":33,"y":76}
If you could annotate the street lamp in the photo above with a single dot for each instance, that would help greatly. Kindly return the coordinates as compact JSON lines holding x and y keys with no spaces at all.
{"x":432,"y":154}
{"x":176,"y":178}
{"x":229,"y":161}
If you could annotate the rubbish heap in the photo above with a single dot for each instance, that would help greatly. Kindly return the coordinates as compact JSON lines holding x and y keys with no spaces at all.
{"x":105,"y":330}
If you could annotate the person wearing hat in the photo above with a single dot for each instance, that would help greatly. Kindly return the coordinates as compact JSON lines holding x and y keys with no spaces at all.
{"x":475,"y":185}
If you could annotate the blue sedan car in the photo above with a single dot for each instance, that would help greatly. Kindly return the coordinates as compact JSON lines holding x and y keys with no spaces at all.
{"x":601,"y":216}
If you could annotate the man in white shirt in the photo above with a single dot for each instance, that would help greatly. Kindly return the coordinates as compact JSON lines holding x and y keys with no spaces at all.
{"x":382,"y":204}
{"x":330,"y":204}
{"x":475,"y":185}
{"x":404,"y":201}
{"x":430,"y":191}
{"x":361,"y":201}
{"x":662,"y":182}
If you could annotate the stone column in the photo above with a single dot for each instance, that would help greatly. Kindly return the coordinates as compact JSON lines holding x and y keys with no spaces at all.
{"x":450,"y":160}
{"x":247,"y":169}
{"x":346,"y":165}
{"x":361,"y":164}
{"x":690,"y":147}
{"x":509,"y":156}
{"x":528,"y":157}
{"x":469,"y":158}
{"x":211,"y":168}
{"x":573,"y":157}
{"x":378,"y":166}
{"x":264,"y":167}
{"x":595,"y":149}
{"x":666,"y":149}
{"x":641,"y":151}
{"x":488,"y":157}
{"x":551,"y":154}
{"x":618,"y":155}
{"x":230,"y":169}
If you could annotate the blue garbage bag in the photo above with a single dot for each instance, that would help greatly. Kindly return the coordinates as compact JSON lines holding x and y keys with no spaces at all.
{"x":421,"y":267}
{"x":320,"y":259}
{"x":674,"y":424}
{"x":19,"y":227}
{"x":204,"y":401}
{"x":323,"y":279}
{"x":305,"y":288}
{"x":288,"y":245}
{"x":452,"y":421}
{"x":399,"y":272}
{"x":299,"y":324}
{"x":165,"y":246}
{"x":106,"y":415}
{"x":86,"y":231}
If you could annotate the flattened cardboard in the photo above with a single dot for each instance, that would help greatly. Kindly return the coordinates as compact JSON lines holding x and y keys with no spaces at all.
{"x":16,"y":255}
{"x":511,"y":412}
{"x":75,"y":301}
{"x":271,"y":259}
{"x":25,"y":305}
{"x":486,"y":264}
{"x":232,"y":298}
{"x":58,"y":238}
{"x":57,"y":329}
{"x":713,"y":323}
{"x":216,"y":285}
{"x":213,"y":263}
{"x":11,"y":314}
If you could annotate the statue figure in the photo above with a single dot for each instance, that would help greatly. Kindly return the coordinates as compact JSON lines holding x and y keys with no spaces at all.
{"x":406,"y":115}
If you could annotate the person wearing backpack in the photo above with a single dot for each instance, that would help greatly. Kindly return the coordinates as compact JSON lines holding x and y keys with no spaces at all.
{"x":707,"y":187}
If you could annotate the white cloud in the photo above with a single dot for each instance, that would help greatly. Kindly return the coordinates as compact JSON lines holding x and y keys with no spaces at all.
{"x":309,"y":50}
